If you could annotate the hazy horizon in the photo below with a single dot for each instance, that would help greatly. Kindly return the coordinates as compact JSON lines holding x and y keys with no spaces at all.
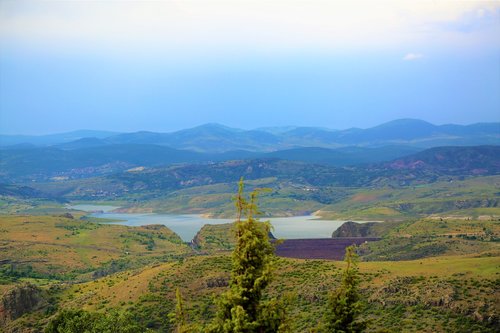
{"x":167,"y":65}
{"x":237,"y":128}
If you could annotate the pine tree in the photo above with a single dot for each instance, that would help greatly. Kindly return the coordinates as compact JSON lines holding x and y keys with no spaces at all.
{"x":344,"y":305}
{"x":242,"y":309}
{"x":178,"y":317}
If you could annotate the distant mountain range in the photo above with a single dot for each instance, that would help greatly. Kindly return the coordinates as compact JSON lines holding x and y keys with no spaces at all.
{"x":51,"y":139}
{"x":215,"y":138}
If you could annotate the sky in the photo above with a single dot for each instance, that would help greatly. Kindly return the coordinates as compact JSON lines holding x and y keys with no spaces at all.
{"x":167,"y":65}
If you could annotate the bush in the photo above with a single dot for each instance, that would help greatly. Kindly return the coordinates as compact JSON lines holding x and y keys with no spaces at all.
{"x":80,"y":321}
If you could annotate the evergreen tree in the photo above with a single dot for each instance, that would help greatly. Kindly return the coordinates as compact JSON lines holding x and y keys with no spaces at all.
{"x":344,"y":305}
{"x":242,"y":309}
{"x":178,"y":317}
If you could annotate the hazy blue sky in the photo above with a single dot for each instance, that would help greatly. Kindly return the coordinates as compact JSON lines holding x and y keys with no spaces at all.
{"x":167,"y":65}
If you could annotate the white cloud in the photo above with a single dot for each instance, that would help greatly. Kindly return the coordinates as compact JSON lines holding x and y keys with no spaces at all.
{"x":174,"y":25}
{"x":413,"y":56}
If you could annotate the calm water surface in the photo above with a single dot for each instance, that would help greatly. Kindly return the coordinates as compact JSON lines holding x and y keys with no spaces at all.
{"x":186,"y":226}
{"x":93,"y":208}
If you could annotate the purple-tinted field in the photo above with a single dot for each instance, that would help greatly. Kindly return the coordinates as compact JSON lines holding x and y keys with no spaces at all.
{"x":324,"y":248}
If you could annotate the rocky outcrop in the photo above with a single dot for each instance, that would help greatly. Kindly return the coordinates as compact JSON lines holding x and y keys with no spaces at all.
{"x":20,"y":300}
{"x":354,"y":229}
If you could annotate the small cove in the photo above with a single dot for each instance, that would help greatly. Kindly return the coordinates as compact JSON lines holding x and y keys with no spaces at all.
{"x":187,"y":225}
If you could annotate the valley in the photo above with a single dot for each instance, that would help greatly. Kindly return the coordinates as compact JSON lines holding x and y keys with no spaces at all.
{"x":263,"y":166}
{"x":114,"y":228}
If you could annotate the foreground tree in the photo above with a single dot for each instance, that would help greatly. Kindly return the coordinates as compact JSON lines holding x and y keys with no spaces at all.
{"x":242,"y":309}
{"x":178,"y":317}
{"x":344,"y":304}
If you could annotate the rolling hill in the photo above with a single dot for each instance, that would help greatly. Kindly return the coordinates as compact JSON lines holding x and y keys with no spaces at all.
{"x":48,"y":162}
{"x":90,"y":158}
{"x":422,"y":183}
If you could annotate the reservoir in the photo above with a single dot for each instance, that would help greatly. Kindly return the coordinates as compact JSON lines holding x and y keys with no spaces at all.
{"x":187,"y":225}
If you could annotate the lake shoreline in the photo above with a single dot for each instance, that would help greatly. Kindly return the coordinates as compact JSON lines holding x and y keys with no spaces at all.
{"x":188,"y":225}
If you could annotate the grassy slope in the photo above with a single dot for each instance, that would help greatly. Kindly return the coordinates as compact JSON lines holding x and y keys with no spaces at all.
{"x":10,"y":205}
{"x":457,"y":198}
{"x":423,"y":295}
{"x":434,"y":237}
{"x":60,"y":247}
{"x":215,"y":200}
{"x":300,"y":190}
{"x":216,"y":237}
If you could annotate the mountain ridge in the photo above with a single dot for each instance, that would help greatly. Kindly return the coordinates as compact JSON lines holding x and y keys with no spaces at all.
{"x":216,"y":138}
